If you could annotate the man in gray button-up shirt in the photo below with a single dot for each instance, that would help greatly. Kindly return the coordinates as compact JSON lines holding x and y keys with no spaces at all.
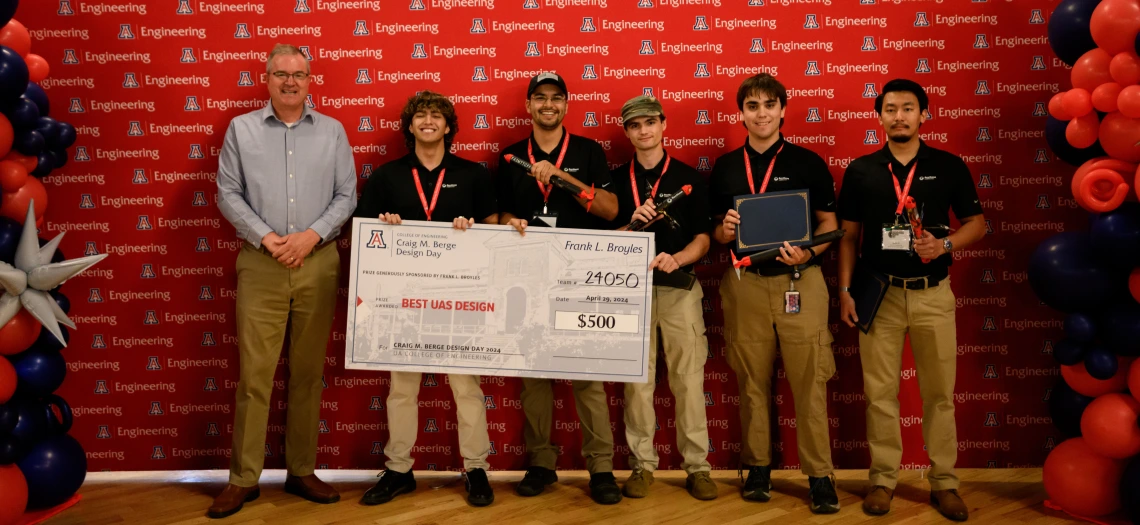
{"x":287,"y":183}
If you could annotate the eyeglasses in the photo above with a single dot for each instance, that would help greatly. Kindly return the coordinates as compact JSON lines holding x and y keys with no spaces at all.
{"x":299,"y":76}
{"x":541,"y":99}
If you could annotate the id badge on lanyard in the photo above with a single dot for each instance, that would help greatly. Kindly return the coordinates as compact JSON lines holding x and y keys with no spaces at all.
{"x":899,"y":236}
{"x":546,"y":190}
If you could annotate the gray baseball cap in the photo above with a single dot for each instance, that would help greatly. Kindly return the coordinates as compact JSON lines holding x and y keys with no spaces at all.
{"x":548,"y":77}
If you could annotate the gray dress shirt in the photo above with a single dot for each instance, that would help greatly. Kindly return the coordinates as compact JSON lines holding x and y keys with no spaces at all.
{"x":286,"y":179}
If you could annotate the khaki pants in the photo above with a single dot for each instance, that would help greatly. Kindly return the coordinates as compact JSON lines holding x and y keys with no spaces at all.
{"x":593,"y":411}
{"x":928,"y":315}
{"x":269,"y":297}
{"x":754,"y":320}
{"x":678,"y":315}
{"x":404,"y":420}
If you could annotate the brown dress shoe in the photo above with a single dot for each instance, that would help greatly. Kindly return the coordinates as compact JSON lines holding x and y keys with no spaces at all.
{"x":231,"y":499}
{"x":311,"y":488}
{"x":878,"y":500}
{"x":950,"y":504}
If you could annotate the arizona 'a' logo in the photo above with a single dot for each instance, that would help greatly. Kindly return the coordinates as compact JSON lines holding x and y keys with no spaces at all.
{"x":1050,"y":443}
{"x":588,"y":25}
{"x":147,"y":271}
{"x":242,"y":31}
{"x":199,"y":199}
{"x":302,"y":7}
{"x":647,"y":92}
{"x":212,"y":429}
{"x":869,"y":90}
{"x":365,"y":171}
{"x":211,"y":385}
{"x":1040,"y":157}
{"x":530,"y":4}
{"x":322,"y":427}
{"x":709,"y":399}
{"x":489,"y":403}
{"x":1047,"y":347}
{"x":191,"y":104}
{"x":85,"y":202}
{"x":991,"y":419}
{"x":810,"y":21}
{"x":703,"y":164}
{"x":65,"y":8}
{"x":361,"y":28}
{"x":155,"y":409}
{"x":69,"y":57}
{"x":757,"y":46}
{"x":101,"y":387}
{"x":1035,"y":17}
{"x":1042,"y":202}
{"x":701,"y":24}
{"x":429,"y":381}
{"x":477,"y":26}
{"x":416,"y":5}
{"x":144,"y":223}
{"x":90,"y":249}
{"x":129,"y":81}
{"x":702,"y":118}
{"x":103,"y":433}
{"x":989,"y":324}
{"x":532,"y":50}
{"x":184,"y":8}
{"x":188,"y":56}
{"x":151,"y":317}
{"x":362,"y":76}
{"x":646,"y":48}
{"x":1039,"y":110}
{"x":418,"y":51}
{"x":988,"y":276}
{"x":157,"y":453}
{"x":94,"y":296}
{"x":985,"y":181}
{"x":989,"y":226}
{"x":588,"y":72}
{"x":208,"y":339}
{"x":920,"y":19}
{"x":711,"y":448}
{"x":812,"y":69}
{"x":134,"y":129}
{"x":1038,"y":63}
{"x":305,"y":51}
{"x":813,"y":115}
{"x":984,"y":135}
{"x":755,"y":3}
{"x":98,"y":343}
{"x":991,"y":372}
{"x":377,"y":403}
{"x":702,"y":70}
{"x":871,"y":137}
{"x":923,"y":66}
{"x":202,"y":246}
{"x":492,"y":451}
{"x":983,"y":88}
{"x":268,"y":451}
{"x":430,"y":425}
{"x":480,"y":74}
{"x":591,"y":120}
{"x":481,"y":121}
{"x":377,"y":448}
{"x":81,"y":154}
{"x":706,"y":305}
{"x":869,"y":44}
{"x":980,"y":41}
{"x":644,"y":4}
{"x":376,"y":240}
{"x":245,"y":79}
{"x":125,"y":32}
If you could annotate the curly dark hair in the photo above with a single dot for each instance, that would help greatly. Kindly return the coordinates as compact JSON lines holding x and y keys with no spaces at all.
{"x":428,"y":100}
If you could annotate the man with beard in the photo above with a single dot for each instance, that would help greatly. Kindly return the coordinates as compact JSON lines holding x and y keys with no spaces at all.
{"x":529,"y":199}
{"x":653,"y":176}
{"x":782,"y":301}
{"x":431,"y":184}
{"x":876,"y":189}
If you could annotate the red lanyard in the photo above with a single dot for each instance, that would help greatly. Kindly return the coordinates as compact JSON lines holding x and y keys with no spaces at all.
{"x":748,"y":170}
{"x":561,"y":155}
{"x":434,"y":195}
{"x":901,"y":193}
{"x":633,"y":181}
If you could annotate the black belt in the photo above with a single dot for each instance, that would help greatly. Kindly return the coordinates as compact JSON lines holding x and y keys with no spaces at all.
{"x":783,"y":270}
{"x":916,"y":283}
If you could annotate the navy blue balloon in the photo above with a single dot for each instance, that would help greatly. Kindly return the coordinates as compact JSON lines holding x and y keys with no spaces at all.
{"x":1069,"y":33}
{"x":39,"y":372}
{"x":10,"y":231}
{"x":1055,"y":137}
{"x":8,"y":418}
{"x":8,"y":10}
{"x":31,"y":420}
{"x":54,"y":469}
{"x":13,"y":76}
{"x":1080,"y":328}
{"x":12,"y":450}
{"x":45,"y":162}
{"x":1120,"y":328}
{"x":1066,"y":407}
{"x":48,"y":343}
{"x":61,"y":300}
{"x":1130,"y":490}
{"x":1066,"y":352}
{"x":66,"y":135}
{"x":29,"y":142}
{"x":1118,"y":232}
{"x":1101,"y":363}
{"x":1067,"y":274}
{"x":39,"y":96}
{"x":23,"y":114}
{"x":49,"y":128}
{"x":58,"y":158}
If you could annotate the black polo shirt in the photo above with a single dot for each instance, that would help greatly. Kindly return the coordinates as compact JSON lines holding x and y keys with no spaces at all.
{"x":467,"y":190}
{"x":941,"y":182}
{"x":796,"y":168}
{"x":519,"y":193}
{"x":691,"y":212}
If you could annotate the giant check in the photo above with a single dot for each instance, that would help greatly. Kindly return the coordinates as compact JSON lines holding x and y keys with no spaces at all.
{"x":556,"y":303}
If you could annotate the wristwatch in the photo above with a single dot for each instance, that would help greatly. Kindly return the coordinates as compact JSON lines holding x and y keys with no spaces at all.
{"x":845,"y":289}
{"x":947,"y":245}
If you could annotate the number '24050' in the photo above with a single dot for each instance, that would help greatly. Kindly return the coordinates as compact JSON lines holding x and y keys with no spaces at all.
{"x":630,"y":280}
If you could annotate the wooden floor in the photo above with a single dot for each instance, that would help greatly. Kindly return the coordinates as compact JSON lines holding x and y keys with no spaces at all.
{"x":995,"y":496}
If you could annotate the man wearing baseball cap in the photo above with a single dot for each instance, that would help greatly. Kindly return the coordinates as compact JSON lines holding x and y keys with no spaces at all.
{"x":681,"y":239}
{"x":528,"y":198}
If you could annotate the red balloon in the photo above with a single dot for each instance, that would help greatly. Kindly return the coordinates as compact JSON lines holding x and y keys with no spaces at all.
{"x":1105,"y":185}
{"x":1077,"y":102}
{"x":1081,"y":131}
{"x":1056,"y":109}
{"x":1079,"y":379}
{"x":13,"y":175}
{"x":1125,"y":68}
{"x":19,"y":333}
{"x":1120,"y":137}
{"x":6,"y":135}
{"x":1109,"y":426}
{"x":38,"y":68}
{"x":1114,"y":24}
{"x":1128,"y":101}
{"x":14,"y":487}
{"x":15,"y":36}
{"x":1101,"y":191}
{"x":1104,"y":97}
{"x":7,"y":380}
{"x":1081,"y":481}
{"x":15,"y":205}
{"x":1091,"y":70}
{"x":1134,"y":287}
{"x":1134,"y":374}
{"x":28,"y":162}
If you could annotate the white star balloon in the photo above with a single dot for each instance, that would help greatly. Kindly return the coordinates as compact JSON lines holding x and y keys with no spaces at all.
{"x":28,"y":282}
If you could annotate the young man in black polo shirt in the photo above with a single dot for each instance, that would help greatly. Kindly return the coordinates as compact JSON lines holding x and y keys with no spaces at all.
{"x":756,"y":317}
{"x":876,"y":189}
{"x":431,"y":184}
{"x":651,"y":177}
{"x":528,"y":198}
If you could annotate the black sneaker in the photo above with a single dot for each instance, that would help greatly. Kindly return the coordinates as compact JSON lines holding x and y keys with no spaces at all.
{"x":824,"y":500}
{"x":604,"y":488}
{"x":391,"y":484}
{"x":535,"y":481}
{"x":479,"y":491}
{"x":758,"y":486}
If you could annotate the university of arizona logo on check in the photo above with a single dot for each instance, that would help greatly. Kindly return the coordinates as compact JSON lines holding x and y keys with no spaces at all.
{"x":556,"y":303}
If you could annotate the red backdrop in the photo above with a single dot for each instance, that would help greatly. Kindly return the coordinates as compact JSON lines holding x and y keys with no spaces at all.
{"x":151,"y":86}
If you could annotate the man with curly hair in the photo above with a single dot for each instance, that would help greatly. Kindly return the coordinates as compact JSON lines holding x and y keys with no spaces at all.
{"x":431,"y":184}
